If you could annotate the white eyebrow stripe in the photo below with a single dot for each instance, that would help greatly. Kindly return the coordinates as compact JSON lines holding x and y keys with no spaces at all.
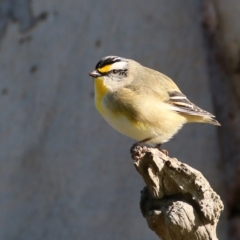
{"x":119,"y":65}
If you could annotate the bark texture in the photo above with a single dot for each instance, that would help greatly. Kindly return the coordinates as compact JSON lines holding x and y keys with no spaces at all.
{"x":178,"y":202}
{"x":223,"y":42}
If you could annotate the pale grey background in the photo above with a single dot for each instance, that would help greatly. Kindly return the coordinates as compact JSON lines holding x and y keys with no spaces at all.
{"x":64,"y":173}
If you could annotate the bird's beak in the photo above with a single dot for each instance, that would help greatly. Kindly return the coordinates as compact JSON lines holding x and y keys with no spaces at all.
{"x":95,"y":74}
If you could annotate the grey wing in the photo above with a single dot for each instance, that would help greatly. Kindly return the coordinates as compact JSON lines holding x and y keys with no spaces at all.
{"x":181,"y":104}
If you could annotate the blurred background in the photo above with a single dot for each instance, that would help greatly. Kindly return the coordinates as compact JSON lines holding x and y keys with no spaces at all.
{"x":64,"y":173}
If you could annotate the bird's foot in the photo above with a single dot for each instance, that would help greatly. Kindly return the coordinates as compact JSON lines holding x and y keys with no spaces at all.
{"x":164,"y":151}
{"x":158,"y":146}
{"x":137,"y":151}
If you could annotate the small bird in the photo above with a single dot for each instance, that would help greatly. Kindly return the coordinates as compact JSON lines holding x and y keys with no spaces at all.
{"x":142,"y":103}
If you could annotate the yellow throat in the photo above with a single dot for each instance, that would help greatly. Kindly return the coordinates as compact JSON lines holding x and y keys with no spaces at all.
{"x":100,"y":91}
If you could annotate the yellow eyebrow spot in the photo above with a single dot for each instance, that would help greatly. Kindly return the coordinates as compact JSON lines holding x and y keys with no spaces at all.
{"x":104,"y":69}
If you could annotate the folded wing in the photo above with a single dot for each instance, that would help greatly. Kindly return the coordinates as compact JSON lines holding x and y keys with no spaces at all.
{"x":183,"y":105}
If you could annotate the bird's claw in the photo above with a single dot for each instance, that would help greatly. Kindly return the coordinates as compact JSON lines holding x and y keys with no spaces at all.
{"x":158,"y":146}
{"x":164,"y":151}
{"x":137,"y":151}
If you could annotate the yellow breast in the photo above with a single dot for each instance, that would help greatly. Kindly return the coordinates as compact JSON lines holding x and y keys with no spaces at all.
{"x":118,"y":120}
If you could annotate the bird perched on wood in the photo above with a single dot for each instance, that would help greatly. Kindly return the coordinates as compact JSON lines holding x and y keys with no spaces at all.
{"x":142,"y":103}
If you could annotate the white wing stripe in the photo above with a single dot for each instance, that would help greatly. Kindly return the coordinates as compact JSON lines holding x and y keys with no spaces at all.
{"x":178,"y":97}
{"x":183,"y":104}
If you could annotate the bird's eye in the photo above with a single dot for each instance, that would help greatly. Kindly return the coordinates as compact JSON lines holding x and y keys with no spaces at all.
{"x":115,"y":71}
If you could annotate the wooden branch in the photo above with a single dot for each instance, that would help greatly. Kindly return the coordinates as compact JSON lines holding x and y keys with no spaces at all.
{"x":178,"y":202}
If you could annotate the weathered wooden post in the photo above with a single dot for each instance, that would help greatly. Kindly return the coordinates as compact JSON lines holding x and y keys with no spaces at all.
{"x":178,"y":202}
